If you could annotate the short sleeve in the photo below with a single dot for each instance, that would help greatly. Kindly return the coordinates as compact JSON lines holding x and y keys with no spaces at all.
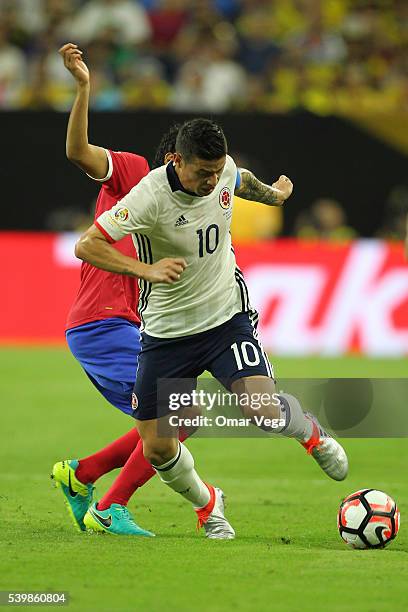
{"x":135,"y":213}
{"x":125,"y":170}
{"x":238,"y":179}
{"x":233,"y":172}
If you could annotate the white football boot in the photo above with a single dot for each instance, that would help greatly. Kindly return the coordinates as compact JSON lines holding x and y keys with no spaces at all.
{"x":328,"y":453}
{"x":212,"y":518}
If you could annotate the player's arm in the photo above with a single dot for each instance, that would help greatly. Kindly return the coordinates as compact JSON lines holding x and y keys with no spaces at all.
{"x":88,"y":157}
{"x":95,"y":248}
{"x":251,"y":188}
{"x":136,"y":212}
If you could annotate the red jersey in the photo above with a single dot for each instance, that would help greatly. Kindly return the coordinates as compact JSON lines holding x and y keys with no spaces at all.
{"x":101,"y":294}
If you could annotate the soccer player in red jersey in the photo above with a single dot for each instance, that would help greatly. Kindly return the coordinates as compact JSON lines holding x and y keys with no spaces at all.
{"x":103,"y":324}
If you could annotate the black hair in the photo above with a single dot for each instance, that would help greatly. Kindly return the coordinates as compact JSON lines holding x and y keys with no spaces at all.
{"x":201,"y":138}
{"x":166,"y":145}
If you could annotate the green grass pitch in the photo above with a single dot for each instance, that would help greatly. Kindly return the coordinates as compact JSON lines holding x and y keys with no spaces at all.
{"x":287,"y":555}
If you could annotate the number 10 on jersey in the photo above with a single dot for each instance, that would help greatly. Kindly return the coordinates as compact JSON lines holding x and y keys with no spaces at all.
{"x":208,"y":240}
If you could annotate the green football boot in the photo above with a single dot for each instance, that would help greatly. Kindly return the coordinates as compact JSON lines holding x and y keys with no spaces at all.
{"x":116,"y":520}
{"x":77,"y":496}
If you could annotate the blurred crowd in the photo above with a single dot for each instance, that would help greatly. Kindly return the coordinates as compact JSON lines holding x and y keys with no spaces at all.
{"x":327,"y":56}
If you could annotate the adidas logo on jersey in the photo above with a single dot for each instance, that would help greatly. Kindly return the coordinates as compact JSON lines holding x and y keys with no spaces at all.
{"x":181,"y":221}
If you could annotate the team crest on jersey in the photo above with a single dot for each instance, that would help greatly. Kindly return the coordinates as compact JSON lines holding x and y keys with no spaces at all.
{"x":225,"y":198}
{"x":122,"y":214}
{"x":135,"y":403}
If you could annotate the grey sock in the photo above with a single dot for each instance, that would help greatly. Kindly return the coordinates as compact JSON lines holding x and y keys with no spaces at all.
{"x":297,"y":424}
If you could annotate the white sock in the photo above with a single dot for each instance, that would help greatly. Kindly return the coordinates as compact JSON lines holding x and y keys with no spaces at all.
{"x":297,"y":424}
{"x":179,"y":474}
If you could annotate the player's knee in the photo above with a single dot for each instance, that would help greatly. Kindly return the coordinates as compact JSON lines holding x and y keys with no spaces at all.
{"x":257,"y":397}
{"x":154,"y":455}
{"x":160,"y":451}
{"x":189,"y":422}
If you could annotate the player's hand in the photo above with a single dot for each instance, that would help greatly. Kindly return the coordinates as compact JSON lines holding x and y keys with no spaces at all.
{"x":73,"y":62}
{"x":166,"y":270}
{"x":285,"y":187}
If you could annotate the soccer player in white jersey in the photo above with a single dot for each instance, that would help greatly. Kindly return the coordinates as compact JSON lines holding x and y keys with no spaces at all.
{"x":194,"y":306}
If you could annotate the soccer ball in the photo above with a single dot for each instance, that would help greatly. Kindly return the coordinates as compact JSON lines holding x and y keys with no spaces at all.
{"x":368,"y":519}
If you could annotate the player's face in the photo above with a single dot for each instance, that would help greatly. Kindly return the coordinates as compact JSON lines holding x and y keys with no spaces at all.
{"x":199,"y":175}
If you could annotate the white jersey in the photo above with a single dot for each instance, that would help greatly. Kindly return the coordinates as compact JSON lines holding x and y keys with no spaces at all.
{"x":167,"y":221}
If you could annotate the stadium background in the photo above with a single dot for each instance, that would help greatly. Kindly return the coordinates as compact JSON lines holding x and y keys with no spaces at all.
{"x":314,"y":89}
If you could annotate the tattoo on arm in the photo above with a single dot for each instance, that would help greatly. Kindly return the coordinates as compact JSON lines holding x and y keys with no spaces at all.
{"x":253,"y":189}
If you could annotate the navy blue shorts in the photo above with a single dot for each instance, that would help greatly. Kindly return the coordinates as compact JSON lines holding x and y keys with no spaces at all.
{"x":108,"y":351}
{"x":229,"y":352}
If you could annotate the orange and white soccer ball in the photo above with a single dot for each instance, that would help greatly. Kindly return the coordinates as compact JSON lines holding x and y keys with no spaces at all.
{"x":368,"y":519}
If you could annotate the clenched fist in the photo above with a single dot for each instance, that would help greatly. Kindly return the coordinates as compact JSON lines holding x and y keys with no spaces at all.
{"x":284,"y":185}
{"x":73,"y":62}
{"x":166,"y":270}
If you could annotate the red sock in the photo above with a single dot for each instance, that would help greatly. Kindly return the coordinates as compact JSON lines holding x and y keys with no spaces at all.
{"x":134,"y":474}
{"x":112,"y":456}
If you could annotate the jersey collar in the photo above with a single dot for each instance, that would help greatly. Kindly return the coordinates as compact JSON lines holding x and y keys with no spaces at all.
{"x":174,"y":181}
